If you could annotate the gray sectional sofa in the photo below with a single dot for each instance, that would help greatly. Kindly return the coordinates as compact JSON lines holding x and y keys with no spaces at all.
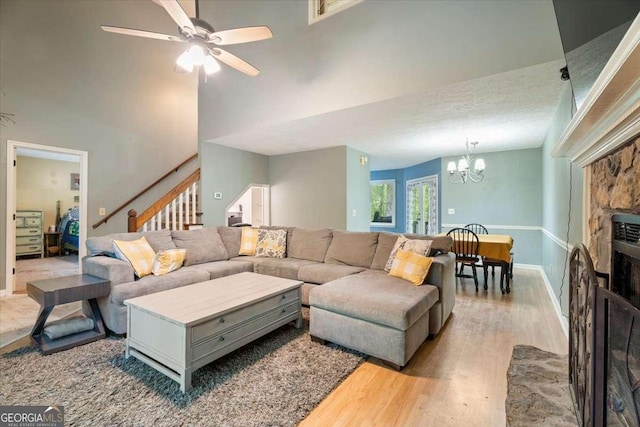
{"x":353,"y":301}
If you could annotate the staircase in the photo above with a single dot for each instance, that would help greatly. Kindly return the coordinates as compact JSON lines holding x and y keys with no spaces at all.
{"x":179,"y":209}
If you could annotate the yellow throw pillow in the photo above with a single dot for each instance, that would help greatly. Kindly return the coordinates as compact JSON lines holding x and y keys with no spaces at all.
{"x":248,"y":241}
{"x":139,"y":254}
{"x":417,"y":246}
{"x":271,"y":244}
{"x":168,"y":261}
{"x":410,"y":266}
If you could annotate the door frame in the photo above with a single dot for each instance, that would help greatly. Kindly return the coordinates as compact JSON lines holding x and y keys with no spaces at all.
{"x":10,"y":244}
{"x":432,"y":181}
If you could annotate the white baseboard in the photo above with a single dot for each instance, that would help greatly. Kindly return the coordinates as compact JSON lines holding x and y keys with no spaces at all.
{"x":3,"y":293}
{"x":564,"y":322}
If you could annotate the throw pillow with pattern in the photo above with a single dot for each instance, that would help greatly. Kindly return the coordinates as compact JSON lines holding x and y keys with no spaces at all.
{"x":417,"y":246}
{"x":271,"y":244}
{"x":410,"y":266}
{"x":248,"y":241}
{"x":138,"y":253}
{"x":168,"y":261}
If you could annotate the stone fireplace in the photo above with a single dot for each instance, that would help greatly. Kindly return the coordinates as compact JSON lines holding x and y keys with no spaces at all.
{"x":614,"y":189}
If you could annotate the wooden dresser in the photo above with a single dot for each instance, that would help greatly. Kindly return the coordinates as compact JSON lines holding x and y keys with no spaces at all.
{"x":29,"y":232}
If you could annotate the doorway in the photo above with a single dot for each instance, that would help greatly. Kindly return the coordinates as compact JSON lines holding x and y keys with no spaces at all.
{"x":77,"y":184}
{"x":252,"y":207}
{"x":422,"y":205}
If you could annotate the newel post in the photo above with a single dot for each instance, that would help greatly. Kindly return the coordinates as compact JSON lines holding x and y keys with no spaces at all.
{"x":131,"y":221}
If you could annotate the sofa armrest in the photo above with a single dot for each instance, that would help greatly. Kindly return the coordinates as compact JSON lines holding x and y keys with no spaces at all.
{"x":442,"y":274}
{"x":113,"y":269}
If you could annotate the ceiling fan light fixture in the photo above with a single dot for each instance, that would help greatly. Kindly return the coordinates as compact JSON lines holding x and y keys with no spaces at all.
{"x":211,"y":65}
{"x":197,"y":55}
{"x":185,"y":62}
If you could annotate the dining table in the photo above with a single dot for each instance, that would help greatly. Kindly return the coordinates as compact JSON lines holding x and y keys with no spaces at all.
{"x":496,"y":247}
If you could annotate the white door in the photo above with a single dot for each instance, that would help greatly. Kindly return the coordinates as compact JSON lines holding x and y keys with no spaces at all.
{"x":422,"y":205}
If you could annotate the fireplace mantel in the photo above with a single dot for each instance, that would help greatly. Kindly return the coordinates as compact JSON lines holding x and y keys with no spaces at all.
{"x":610,"y":114}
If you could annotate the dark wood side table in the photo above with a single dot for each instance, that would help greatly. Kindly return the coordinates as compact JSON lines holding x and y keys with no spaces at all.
{"x":52,"y":243}
{"x":61,"y":290}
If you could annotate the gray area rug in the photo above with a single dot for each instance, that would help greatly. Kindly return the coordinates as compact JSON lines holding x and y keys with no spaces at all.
{"x":276,"y":381}
{"x":538,"y":389}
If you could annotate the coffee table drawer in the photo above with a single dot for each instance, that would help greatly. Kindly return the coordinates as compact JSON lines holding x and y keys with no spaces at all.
{"x":229,"y":337}
{"x":229,"y":320}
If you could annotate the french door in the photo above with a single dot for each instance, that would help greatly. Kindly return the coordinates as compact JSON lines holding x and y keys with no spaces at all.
{"x":422,"y":205}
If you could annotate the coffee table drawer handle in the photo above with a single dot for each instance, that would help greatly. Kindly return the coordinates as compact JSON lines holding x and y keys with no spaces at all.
{"x":222,"y":320}
{"x":221,"y":339}
{"x":284,"y":310}
{"x":284,"y":296}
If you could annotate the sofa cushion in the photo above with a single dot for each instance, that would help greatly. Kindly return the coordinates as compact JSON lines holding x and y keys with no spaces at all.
{"x":376,"y":297}
{"x":138,"y":253}
{"x":203,"y":245}
{"x":160,"y":240}
{"x":386,"y":241}
{"x":231,"y":237}
{"x":152,"y":284}
{"x":225,"y":268}
{"x":271,"y":244}
{"x":323,"y":273}
{"x":309,"y":244}
{"x":352,"y":248}
{"x":287,"y":268}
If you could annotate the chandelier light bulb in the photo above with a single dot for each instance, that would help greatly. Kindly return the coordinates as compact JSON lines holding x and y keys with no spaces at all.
{"x":463,"y":164}
{"x":451,"y":167}
{"x":479,"y":165}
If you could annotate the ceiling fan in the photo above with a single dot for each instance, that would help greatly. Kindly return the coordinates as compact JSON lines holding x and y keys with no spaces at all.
{"x":203,"y":40}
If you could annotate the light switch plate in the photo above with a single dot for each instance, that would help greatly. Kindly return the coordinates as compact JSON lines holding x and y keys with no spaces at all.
{"x":451,"y":211}
{"x":217,"y":195}
{"x":102,"y":211}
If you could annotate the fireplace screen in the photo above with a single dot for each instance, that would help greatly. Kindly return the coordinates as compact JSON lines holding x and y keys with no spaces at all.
{"x":617,"y":345}
{"x":626,"y":257}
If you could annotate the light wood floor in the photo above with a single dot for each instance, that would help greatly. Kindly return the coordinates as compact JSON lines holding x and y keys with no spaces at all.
{"x":458,"y":379}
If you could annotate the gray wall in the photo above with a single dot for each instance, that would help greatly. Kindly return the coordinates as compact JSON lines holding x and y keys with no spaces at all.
{"x":72,"y":85}
{"x":557,"y":190}
{"x":358,"y":191}
{"x":228,"y":171}
{"x":507,"y":201}
{"x":309,"y":189}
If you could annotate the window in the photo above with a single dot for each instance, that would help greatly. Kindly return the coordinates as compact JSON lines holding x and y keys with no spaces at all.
{"x":383,"y":203}
{"x":320,"y":9}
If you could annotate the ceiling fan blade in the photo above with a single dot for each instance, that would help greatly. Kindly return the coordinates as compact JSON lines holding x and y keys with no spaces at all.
{"x":178,"y":14}
{"x":140,"y":33}
{"x":234,"y":62}
{"x":240,"y":35}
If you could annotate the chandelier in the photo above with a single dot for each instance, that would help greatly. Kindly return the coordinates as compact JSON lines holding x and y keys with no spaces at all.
{"x":461,"y":173}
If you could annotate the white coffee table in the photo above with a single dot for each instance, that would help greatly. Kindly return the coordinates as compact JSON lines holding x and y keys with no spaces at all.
{"x":180,"y":330}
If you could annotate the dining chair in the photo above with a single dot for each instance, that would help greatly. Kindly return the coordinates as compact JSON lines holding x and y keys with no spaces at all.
{"x":465,"y":246}
{"x":493,"y":263}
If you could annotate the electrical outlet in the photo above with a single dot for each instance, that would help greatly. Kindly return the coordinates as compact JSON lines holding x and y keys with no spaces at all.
{"x":354,"y":213}
{"x":102,"y":211}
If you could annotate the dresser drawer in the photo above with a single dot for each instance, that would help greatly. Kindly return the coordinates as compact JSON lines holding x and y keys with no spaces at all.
{"x":33,"y":240}
{"x":230,"y":336}
{"x":20,"y":221}
{"x":32,"y":222}
{"x":27,"y":249}
{"x":227,"y":321}
{"x":28,"y":232}
{"x":37,"y":214}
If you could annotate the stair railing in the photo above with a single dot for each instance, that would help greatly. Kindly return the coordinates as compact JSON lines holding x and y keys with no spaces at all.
{"x":172,"y":211}
{"x":134,"y":198}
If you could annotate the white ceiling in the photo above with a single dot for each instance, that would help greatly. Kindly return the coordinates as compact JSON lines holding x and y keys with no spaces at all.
{"x":405,"y":81}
